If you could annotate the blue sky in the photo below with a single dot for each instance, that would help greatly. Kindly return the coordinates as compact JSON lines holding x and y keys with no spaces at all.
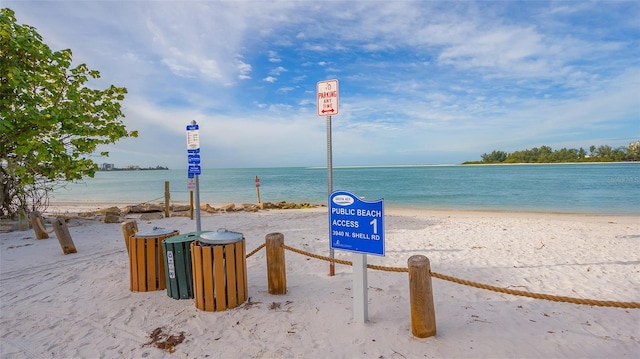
{"x":420,"y":82}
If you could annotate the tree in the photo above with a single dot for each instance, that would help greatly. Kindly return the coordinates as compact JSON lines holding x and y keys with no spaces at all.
{"x":582,"y":154}
{"x":604,"y":151}
{"x":546,"y":154}
{"x":634,"y":151}
{"x":494,"y":157}
{"x":51,"y":121}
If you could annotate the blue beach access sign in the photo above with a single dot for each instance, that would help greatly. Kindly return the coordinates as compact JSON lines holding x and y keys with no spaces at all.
{"x":356,"y":225}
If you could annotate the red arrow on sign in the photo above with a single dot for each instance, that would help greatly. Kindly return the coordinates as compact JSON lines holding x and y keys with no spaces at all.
{"x":327,"y":94}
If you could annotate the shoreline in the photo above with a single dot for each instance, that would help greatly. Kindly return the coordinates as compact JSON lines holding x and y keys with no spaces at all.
{"x":606,"y":189}
{"x":90,"y":206}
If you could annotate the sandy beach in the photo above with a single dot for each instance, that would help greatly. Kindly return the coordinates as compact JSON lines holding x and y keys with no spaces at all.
{"x":80,"y":305}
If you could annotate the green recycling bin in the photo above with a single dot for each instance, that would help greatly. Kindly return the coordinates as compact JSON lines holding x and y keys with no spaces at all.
{"x":177,"y":257}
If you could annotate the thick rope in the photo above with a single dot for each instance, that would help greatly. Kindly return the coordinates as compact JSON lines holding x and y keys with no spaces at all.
{"x":40,"y":223}
{"x":149,"y":201}
{"x":555,"y":298}
{"x":255,"y":250}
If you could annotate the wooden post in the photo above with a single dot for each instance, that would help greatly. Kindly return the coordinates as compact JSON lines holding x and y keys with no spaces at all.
{"x":23,"y":220}
{"x":258,"y":189}
{"x":38,"y":225}
{"x":191,"y":203}
{"x":167,"y":199}
{"x":423,"y":314}
{"x":64,"y":237}
{"x":276,"y":273}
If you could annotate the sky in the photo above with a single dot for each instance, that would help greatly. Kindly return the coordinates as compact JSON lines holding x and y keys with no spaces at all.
{"x":420,"y":82}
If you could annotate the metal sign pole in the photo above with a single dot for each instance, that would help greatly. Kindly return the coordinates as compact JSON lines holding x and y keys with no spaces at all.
{"x":327,"y":97}
{"x":198,"y":225}
{"x":332,"y":266}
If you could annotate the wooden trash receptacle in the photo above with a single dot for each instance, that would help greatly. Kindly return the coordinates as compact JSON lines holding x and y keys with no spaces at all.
{"x":219,"y":269}
{"x":177,"y":257}
{"x":146,"y":262}
{"x":129,"y":228}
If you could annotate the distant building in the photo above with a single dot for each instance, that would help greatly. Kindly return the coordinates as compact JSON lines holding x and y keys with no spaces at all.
{"x":107,"y":167}
{"x":634,"y":146}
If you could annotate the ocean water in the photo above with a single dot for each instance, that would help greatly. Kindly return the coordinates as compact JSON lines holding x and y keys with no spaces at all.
{"x":610,"y":188}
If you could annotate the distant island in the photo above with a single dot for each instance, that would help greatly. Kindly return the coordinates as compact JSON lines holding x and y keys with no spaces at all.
{"x":546,"y":154}
{"x":111,"y":167}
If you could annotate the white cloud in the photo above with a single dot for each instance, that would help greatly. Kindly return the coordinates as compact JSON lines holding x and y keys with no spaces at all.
{"x":273,"y":56}
{"x":415,"y":76}
{"x":244,"y":70}
{"x":277,"y":71}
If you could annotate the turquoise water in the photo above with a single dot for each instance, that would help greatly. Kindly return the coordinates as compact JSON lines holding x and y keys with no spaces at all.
{"x":574,"y":188}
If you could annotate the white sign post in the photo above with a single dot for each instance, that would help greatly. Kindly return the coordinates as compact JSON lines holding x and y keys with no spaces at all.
{"x":357,"y":226}
{"x":327,"y":92}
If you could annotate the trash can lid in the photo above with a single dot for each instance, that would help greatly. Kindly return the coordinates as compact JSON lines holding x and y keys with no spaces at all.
{"x":221,"y":236}
{"x":185,"y":237}
{"x":155,"y":232}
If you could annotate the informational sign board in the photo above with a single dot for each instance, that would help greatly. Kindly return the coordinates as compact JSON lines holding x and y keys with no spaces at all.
{"x":356,"y":225}
{"x":171,"y":266}
{"x":191,"y":183}
{"x":193,"y":137}
{"x":193,"y":153}
{"x":194,"y":170}
{"x":327,"y":92}
{"x":193,"y":158}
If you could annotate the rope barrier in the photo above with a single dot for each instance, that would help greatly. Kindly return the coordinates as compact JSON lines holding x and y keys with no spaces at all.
{"x":40,"y":223}
{"x":155,"y":199}
{"x":255,"y":250}
{"x":554,"y":298}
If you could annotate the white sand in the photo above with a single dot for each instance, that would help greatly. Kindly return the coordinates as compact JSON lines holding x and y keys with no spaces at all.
{"x":80,"y":306}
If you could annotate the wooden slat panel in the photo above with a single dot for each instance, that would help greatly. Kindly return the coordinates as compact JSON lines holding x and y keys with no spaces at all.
{"x":207,"y":257}
{"x":160,"y":269}
{"x":141,"y":268}
{"x":230,"y":261}
{"x":241,"y":274}
{"x":196,"y":271}
{"x":221,"y":293}
{"x":133,"y":271}
{"x":150,"y":263}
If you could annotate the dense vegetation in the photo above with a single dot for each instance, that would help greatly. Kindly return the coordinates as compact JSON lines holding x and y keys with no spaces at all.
{"x":53,"y":118}
{"x":546,"y":154}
